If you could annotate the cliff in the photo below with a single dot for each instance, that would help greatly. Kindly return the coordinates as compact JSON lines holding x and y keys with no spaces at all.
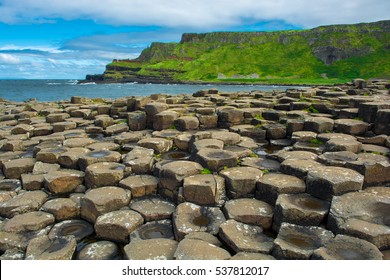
{"x":324,"y":54}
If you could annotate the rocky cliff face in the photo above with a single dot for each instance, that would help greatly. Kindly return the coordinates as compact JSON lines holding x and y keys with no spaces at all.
{"x":319,"y":52}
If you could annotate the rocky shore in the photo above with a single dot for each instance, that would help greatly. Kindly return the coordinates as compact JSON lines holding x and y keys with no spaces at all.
{"x":300,"y":174}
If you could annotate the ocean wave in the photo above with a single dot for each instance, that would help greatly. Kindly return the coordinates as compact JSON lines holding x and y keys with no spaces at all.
{"x":88,"y":84}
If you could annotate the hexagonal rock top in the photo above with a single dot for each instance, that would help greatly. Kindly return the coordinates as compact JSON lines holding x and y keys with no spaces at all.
{"x":45,"y":248}
{"x":249,"y":211}
{"x":318,"y":124}
{"x":192,"y":249}
{"x":140,"y":185}
{"x":159,"y":145}
{"x":151,"y":249}
{"x":241,"y":181}
{"x":102,"y":200}
{"x":117,"y":225}
{"x":299,"y":242}
{"x":329,"y":181}
{"x":189,"y":217}
{"x":229,"y":138}
{"x":216,"y":160}
{"x":100,"y":250}
{"x":30,"y":221}
{"x":363,"y":215}
{"x":351,"y":126}
{"x":344,"y":247}
{"x":272,"y":184}
{"x":242,"y":237}
{"x":104,"y":174}
{"x":153,"y":208}
{"x":22,"y":203}
{"x":63,"y":181}
{"x":13,"y":169}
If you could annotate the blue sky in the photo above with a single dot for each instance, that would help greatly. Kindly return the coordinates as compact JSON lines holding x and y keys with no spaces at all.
{"x":46,"y":39}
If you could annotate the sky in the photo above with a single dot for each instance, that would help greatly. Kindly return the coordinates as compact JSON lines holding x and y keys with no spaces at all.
{"x":50,"y":39}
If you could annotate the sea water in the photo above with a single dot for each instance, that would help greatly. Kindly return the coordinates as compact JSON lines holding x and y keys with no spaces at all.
{"x":56,"y":90}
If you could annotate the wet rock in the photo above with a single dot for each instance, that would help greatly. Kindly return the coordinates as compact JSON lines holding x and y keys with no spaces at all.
{"x":241,"y":237}
{"x":300,"y":209}
{"x":102,"y":200}
{"x":191,"y":249}
{"x":153,"y":208}
{"x":151,"y":249}
{"x":23,"y":203}
{"x":299,"y":242}
{"x":351,"y":126}
{"x":298,"y":167}
{"x":98,"y":156}
{"x":62,"y":208}
{"x":318,"y":124}
{"x":31,"y":221}
{"x":140,"y":185}
{"x":152,"y":230}
{"x":103,"y":174}
{"x":80,"y":229}
{"x":159,"y":145}
{"x":326,"y":182}
{"x":204,"y":236}
{"x":344,"y":247}
{"x":249,"y":211}
{"x":251,"y":256}
{"x":363,"y":215}
{"x":172,"y":175}
{"x":204,"y":189}
{"x":271,"y":185}
{"x":13,"y":169}
{"x":117,"y":225}
{"x":45,"y":248}
{"x":140,"y":160}
{"x":63,"y":181}
{"x":189,"y":217}
{"x":100,"y":250}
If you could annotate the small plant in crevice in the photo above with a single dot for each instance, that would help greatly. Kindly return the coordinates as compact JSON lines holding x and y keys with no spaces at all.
{"x":205,"y":171}
{"x":315,"y":141}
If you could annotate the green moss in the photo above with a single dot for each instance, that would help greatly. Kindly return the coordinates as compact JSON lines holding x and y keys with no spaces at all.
{"x":265,"y":171}
{"x":205,"y":171}
{"x":316,"y":142}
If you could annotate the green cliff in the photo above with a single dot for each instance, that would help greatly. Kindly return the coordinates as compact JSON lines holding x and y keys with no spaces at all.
{"x":326,"y":54}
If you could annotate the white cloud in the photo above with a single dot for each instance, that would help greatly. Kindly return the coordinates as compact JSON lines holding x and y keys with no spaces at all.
{"x":204,"y":14}
{"x":9,"y":59}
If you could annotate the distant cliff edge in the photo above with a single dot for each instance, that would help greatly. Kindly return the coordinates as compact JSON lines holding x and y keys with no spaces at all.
{"x":325,"y":54}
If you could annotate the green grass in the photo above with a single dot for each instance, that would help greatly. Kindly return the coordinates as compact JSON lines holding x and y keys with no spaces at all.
{"x":286,"y":57}
{"x":316,"y":142}
{"x":205,"y":171}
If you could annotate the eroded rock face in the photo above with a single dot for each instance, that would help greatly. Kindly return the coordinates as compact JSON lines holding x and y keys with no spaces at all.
{"x":151,"y":249}
{"x":191,"y":249}
{"x":45,"y":248}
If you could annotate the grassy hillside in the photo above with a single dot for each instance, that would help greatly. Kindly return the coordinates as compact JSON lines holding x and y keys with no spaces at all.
{"x":328,"y":54}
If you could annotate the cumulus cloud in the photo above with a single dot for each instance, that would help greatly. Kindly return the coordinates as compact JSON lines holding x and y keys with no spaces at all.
{"x":203,"y":14}
{"x":9,"y":59}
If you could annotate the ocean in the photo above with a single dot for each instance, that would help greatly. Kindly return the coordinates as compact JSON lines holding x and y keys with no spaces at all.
{"x":55,"y":90}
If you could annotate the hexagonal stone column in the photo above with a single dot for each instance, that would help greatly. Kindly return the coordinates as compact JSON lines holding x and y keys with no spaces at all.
{"x":242,"y":237}
{"x":318,"y":124}
{"x":98,"y":156}
{"x":329,"y":181}
{"x":23,"y":203}
{"x":151,"y":249}
{"x":140,"y":185}
{"x":117,"y":225}
{"x":45,"y":248}
{"x":104,"y":174}
{"x":192,"y":249}
{"x":63,"y":181}
{"x":13,"y":169}
{"x":204,"y":189}
{"x":344,"y":247}
{"x":102,"y":200}
{"x":241,"y":181}
{"x":159,"y":145}
{"x":300,"y":209}
{"x":299,"y":242}
{"x":189,"y":217}
{"x":271,"y":185}
{"x":363,"y":215}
